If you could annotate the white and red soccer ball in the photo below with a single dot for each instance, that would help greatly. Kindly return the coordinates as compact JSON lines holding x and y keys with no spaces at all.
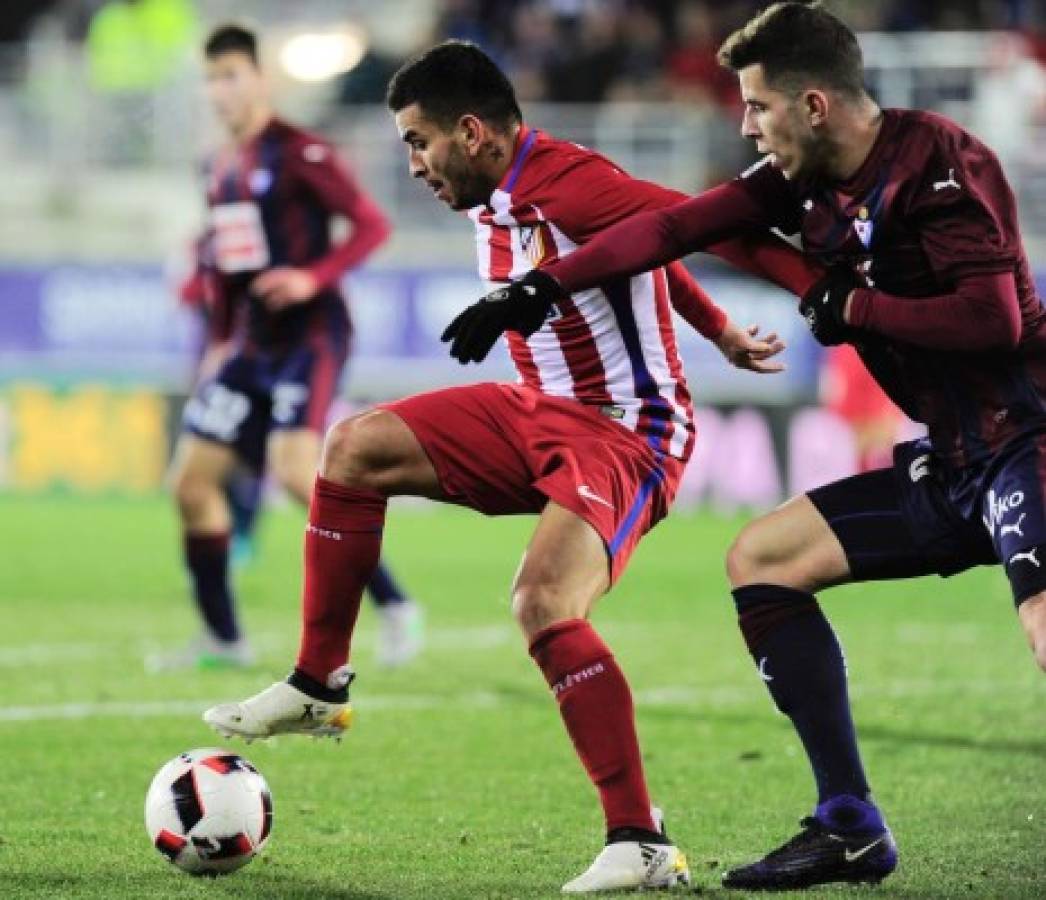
{"x":208,"y":811}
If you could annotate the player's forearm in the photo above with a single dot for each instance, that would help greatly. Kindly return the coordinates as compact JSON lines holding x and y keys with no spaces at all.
{"x":651,"y":239}
{"x":771,"y":258}
{"x":983,"y":314}
{"x":370,"y":229}
{"x":693,"y":304}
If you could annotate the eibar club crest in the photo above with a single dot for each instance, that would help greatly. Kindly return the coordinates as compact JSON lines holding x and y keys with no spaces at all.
{"x":863,"y":226}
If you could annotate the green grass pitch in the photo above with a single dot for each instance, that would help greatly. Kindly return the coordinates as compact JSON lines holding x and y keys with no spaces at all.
{"x":457,"y":780}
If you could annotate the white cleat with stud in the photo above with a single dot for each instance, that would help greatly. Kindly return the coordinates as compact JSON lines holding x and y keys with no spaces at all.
{"x":279,"y":709}
{"x":633,"y":866}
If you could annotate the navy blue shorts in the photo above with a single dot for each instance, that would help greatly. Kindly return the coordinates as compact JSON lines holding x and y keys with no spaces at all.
{"x":916,"y":518}
{"x":255,"y":393}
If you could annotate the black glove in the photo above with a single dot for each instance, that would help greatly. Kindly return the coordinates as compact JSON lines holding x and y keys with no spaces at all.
{"x":823,"y":305}
{"x":521,"y":306}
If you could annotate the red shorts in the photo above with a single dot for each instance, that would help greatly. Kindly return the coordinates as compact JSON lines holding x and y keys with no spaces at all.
{"x":504,"y":449}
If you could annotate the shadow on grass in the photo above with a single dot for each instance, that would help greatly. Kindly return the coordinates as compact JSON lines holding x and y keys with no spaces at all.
{"x":866,"y":732}
{"x":952,"y":741}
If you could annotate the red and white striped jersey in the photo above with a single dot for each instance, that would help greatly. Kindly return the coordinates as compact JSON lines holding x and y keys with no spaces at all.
{"x":612,"y":346}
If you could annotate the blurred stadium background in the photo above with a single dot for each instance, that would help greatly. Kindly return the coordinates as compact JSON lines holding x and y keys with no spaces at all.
{"x":103,"y":124}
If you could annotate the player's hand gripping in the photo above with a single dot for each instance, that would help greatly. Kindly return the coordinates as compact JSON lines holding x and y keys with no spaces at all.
{"x":744,"y":348}
{"x":824,"y":305}
{"x":521,"y":306}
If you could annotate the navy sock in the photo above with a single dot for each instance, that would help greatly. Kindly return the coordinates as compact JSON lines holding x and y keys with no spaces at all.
{"x":207,"y":558}
{"x":802,"y":664}
{"x":850,"y":815}
{"x":383,"y":587}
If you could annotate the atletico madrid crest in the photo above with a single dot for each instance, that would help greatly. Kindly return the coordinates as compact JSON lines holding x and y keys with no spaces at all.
{"x":532,"y":243}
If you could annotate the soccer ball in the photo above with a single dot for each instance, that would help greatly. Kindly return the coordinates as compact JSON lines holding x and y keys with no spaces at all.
{"x":208,"y":811}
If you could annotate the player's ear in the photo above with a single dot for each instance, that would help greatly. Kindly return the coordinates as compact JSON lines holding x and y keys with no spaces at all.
{"x":473,"y":133}
{"x":814,"y":105}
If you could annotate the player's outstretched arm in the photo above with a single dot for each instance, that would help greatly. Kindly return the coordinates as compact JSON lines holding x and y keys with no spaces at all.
{"x":771,"y":258}
{"x":651,"y":239}
{"x":742,"y":347}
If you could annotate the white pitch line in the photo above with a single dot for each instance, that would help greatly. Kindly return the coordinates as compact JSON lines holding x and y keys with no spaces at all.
{"x":151,"y":709}
{"x":44,"y":654}
{"x":457,"y":640}
{"x":677,"y":696}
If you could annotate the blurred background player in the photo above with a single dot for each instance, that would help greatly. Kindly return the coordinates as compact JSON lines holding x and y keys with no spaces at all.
{"x":244,"y":486}
{"x":849,"y":391}
{"x":593,"y":439}
{"x":278,"y":337}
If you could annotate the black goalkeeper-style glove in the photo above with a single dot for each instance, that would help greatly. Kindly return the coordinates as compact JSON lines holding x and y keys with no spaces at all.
{"x":824,"y":304}
{"x":521,"y":306}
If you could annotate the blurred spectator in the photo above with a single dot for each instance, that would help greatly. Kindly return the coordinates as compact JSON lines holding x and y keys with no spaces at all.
{"x":17,"y":17}
{"x":589,"y":57}
{"x":640,"y":73}
{"x":588,"y":51}
{"x":137,"y":45}
{"x":1010,"y":100}
{"x":528,"y":57}
{"x":463,"y":20}
{"x":366,"y":81}
{"x":134,"y":48}
{"x":694,"y":73}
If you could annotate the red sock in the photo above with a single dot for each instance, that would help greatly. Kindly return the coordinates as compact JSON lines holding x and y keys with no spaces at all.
{"x":596,"y":705}
{"x":342,"y":546}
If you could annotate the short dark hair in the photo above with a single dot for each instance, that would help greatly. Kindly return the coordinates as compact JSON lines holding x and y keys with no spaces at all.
{"x":797,"y":43}
{"x":231,"y":38}
{"x":451,"y":80}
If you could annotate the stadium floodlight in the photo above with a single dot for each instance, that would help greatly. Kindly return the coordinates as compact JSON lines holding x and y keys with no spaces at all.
{"x":318,"y":56}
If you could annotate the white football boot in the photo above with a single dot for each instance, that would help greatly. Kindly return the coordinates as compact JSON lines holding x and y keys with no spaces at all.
{"x":401,"y":633}
{"x":280,"y":709}
{"x":635,"y":866}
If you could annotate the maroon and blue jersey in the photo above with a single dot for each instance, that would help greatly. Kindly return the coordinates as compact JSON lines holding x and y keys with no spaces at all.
{"x":271,"y":203}
{"x":929,"y":207}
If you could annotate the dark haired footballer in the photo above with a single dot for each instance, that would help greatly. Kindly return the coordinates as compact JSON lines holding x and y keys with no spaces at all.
{"x":927,"y":277}
{"x":279,"y":336}
{"x":592,"y":438}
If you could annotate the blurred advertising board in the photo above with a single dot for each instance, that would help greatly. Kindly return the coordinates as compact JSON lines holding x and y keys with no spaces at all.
{"x":122,"y":324}
{"x":95,"y":362}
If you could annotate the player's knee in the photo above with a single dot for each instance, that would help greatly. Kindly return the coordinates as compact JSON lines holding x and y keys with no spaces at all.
{"x":1038,"y":649}
{"x":746,"y":558}
{"x":536,"y":606}
{"x":353,"y":450}
{"x":192,"y":492}
{"x":1037,"y":641}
